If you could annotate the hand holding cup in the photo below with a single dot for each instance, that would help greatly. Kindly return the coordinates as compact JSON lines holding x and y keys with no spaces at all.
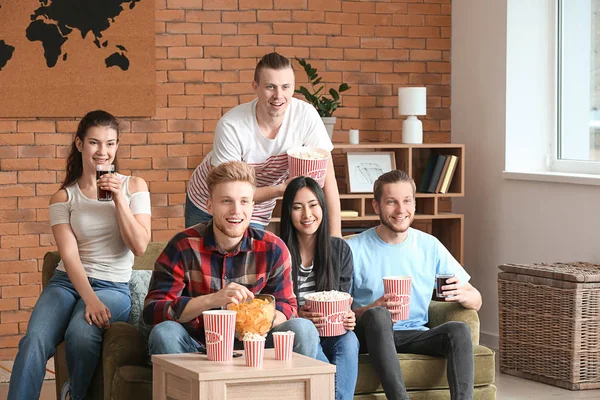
{"x":107,"y":182}
{"x":453,"y":290}
{"x":398,"y":302}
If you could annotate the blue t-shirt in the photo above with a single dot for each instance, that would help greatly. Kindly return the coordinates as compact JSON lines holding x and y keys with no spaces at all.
{"x":420,"y":256}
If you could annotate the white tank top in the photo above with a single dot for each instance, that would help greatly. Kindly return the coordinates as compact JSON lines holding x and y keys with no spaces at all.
{"x":102,"y":251}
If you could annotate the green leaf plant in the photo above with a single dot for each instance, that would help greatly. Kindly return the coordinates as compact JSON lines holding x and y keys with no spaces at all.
{"x":325,"y":106}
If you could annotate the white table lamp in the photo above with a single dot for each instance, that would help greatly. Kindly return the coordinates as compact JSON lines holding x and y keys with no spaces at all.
{"x":412,"y":101}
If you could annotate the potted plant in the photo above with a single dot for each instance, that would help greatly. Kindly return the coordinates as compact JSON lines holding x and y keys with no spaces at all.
{"x":325,"y":106}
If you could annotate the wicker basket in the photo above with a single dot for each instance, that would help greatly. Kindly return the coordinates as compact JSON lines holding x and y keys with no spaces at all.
{"x":549,"y":322}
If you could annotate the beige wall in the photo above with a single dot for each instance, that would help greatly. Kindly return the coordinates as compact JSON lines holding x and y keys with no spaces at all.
{"x":505,"y":220}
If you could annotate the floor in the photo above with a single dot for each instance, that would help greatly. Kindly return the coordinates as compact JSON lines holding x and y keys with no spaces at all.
{"x":512,"y":388}
{"x":509,"y":388}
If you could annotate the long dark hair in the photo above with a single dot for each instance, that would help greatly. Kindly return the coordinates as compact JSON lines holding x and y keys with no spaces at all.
{"x":74,"y":160}
{"x":326,"y":275}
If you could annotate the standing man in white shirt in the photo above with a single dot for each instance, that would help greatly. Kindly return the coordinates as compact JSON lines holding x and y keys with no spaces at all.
{"x":260,"y":133}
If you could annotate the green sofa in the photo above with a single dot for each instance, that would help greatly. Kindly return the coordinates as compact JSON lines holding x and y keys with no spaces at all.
{"x":124,"y":372}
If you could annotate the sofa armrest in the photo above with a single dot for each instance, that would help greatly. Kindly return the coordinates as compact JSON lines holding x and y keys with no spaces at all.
{"x":123,"y":344}
{"x":51,"y":260}
{"x":441,"y":312}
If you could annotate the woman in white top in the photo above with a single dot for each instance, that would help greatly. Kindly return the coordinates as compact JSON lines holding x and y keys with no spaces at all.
{"x":97,"y":241}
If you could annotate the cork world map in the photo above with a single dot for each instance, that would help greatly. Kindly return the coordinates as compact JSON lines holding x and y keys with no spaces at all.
{"x":62,"y":57}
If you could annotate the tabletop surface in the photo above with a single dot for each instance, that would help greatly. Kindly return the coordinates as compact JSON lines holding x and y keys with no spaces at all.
{"x":197,"y":366}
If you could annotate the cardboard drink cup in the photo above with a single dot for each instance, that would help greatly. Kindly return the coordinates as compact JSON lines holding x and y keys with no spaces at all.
{"x":219,"y":327}
{"x":316,"y":168}
{"x":284,"y":344}
{"x":400,"y":287}
{"x":334,"y":312}
{"x":254,"y":352}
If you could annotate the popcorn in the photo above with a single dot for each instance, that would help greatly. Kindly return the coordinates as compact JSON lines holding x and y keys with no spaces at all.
{"x":334,"y":306}
{"x":309,"y":155}
{"x":331,"y":295}
{"x":252,"y":336}
{"x":308,"y":161}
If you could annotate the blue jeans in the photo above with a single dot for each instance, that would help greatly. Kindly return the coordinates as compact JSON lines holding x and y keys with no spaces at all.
{"x":194,"y":215}
{"x":342,"y":351}
{"x":170,"y":337}
{"x":60,"y":314}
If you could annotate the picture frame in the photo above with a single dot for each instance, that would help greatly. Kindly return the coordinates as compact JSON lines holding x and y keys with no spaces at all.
{"x":363,"y":169}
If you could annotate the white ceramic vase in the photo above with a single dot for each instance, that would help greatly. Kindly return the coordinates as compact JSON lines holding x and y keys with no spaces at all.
{"x":329,"y":124}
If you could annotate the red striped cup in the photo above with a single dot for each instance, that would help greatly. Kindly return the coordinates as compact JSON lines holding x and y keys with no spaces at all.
{"x":334,"y":312}
{"x":219,"y":327}
{"x":254,"y":352}
{"x":315,"y":168}
{"x":284,"y":345}
{"x":400,"y":286}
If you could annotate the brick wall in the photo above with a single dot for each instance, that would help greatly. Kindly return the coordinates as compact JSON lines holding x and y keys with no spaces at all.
{"x":206,"y":51}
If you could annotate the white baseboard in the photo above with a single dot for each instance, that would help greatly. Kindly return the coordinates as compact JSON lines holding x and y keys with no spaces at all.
{"x":489,"y":339}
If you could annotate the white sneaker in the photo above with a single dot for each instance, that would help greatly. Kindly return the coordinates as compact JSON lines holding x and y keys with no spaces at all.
{"x":64,"y":392}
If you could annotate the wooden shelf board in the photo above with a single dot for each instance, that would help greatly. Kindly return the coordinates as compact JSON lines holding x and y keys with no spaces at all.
{"x":376,"y":217}
{"x":393,"y":146}
{"x":369,"y":196}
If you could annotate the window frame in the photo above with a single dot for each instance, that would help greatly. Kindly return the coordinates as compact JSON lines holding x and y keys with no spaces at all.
{"x":557,"y":164}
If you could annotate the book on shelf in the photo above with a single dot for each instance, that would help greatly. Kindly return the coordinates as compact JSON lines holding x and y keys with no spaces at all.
{"x":437,"y":172}
{"x":427,"y":174}
{"x":349,"y":213}
{"x":444,"y":170}
{"x":447,"y":179}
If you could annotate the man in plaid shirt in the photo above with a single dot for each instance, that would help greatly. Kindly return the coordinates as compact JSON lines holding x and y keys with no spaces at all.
{"x":212,"y":264}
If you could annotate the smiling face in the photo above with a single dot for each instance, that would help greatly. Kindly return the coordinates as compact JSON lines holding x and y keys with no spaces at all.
{"x":307,"y":213}
{"x":231,"y":206}
{"x":396,"y":208}
{"x":99,"y":146}
{"x":274,"y":91}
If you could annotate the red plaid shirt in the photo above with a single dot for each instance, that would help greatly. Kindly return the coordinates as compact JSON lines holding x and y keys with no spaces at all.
{"x":192,"y":265}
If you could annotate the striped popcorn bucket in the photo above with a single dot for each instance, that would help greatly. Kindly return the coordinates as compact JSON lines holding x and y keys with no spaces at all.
{"x":400,"y":286}
{"x":315,"y":168}
{"x":219,"y":327}
{"x":254,"y":351}
{"x":284,"y":344}
{"x":334,"y":312}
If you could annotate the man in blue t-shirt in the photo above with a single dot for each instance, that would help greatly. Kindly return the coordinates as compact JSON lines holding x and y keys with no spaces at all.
{"x":393,"y":248}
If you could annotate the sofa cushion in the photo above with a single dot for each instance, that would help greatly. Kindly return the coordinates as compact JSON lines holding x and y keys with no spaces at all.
{"x":425,"y":372}
{"x":138,"y":286}
{"x":132,"y":382}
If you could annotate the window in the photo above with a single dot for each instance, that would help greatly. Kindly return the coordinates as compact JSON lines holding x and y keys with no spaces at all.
{"x":577,"y":145}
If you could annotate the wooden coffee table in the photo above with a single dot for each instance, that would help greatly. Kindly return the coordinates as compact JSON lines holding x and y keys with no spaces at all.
{"x":193,"y":377}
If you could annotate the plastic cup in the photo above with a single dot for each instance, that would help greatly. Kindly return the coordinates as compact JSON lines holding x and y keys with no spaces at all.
{"x":400,"y":287}
{"x":315,"y":168}
{"x":101,"y":169}
{"x":254,"y":352}
{"x":284,"y":345}
{"x":219,"y":328}
{"x":440,"y":280}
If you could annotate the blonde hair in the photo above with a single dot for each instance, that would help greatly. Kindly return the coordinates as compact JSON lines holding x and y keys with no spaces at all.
{"x":394,"y":176}
{"x":232,"y":171}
